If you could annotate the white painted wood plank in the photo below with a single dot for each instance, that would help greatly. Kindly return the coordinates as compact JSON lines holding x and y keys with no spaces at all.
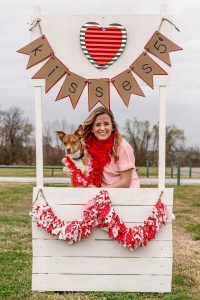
{"x":38,"y":112}
{"x":98,"y":265}
{"x":100,"y":248}
{"x":126,"y":213}
{"x":162,"y":137}
{"x":164,"y":234}
{"x":38,"y":136}
{"x":119,"y":196}
{"x":122,"y":283}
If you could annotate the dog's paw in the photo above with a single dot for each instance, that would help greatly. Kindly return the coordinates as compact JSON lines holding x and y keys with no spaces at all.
{"x":92,"y":186}
{"x":66,"y":170}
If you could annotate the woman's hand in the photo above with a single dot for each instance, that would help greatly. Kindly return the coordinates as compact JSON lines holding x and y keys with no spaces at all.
{"x":65,"y":170}
{"x":91,"y":186}
{"x":124,"y":181}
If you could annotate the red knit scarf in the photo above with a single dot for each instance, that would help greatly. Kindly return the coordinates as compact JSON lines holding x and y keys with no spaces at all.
{"x":100,"y":154}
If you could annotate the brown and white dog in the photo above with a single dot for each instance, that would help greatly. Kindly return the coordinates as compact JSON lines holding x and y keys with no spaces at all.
{"x":74,"y":148}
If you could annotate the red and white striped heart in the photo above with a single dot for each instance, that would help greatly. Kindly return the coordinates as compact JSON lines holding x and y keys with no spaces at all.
{"x":102,"y":45}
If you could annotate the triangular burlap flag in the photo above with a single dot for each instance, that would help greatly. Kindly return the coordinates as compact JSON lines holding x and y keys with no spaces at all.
{"x":38,"y":50}
{"x":52,"y":71}
{"x":72,"y":87}
{"x":126,"y":85}
{"x":99,"y":91}
{"x":145,"y":67}
{"x":160,"y":46}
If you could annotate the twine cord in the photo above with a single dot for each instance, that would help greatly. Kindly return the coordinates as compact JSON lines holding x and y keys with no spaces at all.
{"x":165,"y":19}
{"x":34,"y":24}
{"x":161,"y":193}
{"x":42,"y":194}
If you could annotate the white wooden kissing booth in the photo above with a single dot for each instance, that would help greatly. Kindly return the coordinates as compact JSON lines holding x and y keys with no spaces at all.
{"x":98,"y":263}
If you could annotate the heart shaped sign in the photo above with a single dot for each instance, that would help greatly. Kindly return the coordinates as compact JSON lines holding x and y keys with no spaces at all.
{"x":102,"y":45}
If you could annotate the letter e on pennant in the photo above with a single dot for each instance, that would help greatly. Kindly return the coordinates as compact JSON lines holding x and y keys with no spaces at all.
{"x":126,"y":85}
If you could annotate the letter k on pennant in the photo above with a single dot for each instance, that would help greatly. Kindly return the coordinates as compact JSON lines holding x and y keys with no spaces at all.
{"x":38,"y":50}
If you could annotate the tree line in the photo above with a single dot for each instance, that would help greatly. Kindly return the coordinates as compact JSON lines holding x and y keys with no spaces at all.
{"x":17,"y":142}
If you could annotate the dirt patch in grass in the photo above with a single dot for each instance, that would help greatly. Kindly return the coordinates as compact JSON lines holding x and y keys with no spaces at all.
{"x":186,"y":270}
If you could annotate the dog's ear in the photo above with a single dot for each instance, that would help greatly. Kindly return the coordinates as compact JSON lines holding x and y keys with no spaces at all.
{"x":60,"y":134}
{"x":79,"y":131}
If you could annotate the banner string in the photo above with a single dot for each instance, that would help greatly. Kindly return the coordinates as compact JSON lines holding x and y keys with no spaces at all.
{"x":35,"y":23}
{"x":40,"y":191}
{"x":161,"y":193}
{"x":165,"y":19}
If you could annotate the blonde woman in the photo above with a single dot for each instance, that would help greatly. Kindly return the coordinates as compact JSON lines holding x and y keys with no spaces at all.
{"x":112,"y":157}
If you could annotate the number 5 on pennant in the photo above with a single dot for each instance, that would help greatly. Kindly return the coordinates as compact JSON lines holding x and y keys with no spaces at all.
{"x":160,"y":46}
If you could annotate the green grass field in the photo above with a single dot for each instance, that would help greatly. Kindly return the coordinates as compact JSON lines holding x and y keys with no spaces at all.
{"x":15,"y":245}
{"x":30,"y":172}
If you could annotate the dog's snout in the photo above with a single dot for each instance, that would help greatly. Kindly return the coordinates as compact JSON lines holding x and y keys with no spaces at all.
{"x":68,"y":150}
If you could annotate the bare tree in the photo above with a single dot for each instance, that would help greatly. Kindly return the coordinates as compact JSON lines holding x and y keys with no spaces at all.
{"x":175,"y":139}
{"x":53,"y":148}
{"x":16,"y":146}
{"x":138,"y":135}
{"x":144,"y":140}
{"x":15,"y":135}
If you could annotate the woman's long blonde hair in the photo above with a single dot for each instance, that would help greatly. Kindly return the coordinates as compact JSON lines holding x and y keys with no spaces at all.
{"x":88,"y":123}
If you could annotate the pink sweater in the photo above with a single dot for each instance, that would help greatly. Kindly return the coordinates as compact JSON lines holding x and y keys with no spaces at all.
{"x":126,"y":161}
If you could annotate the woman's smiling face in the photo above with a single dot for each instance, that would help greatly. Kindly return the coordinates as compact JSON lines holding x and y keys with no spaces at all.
{"x":102,"y":127}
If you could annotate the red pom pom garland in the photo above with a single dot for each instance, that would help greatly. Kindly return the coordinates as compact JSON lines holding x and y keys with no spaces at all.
{"x":78,"y":178}
{"x":99,"y":212}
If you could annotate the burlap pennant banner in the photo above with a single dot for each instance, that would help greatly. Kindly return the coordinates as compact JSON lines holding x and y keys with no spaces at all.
{"x":52,"y":72}
{"x":160,"y":46}
{"x":99,"y":91}
{"x":38,"y":50}
{"x":145,"y":67}
{"x":72,"y":87}
{"x":126,"y":85}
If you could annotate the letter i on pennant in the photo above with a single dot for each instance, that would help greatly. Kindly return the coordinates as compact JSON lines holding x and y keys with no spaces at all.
{"x":52,"y":72}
